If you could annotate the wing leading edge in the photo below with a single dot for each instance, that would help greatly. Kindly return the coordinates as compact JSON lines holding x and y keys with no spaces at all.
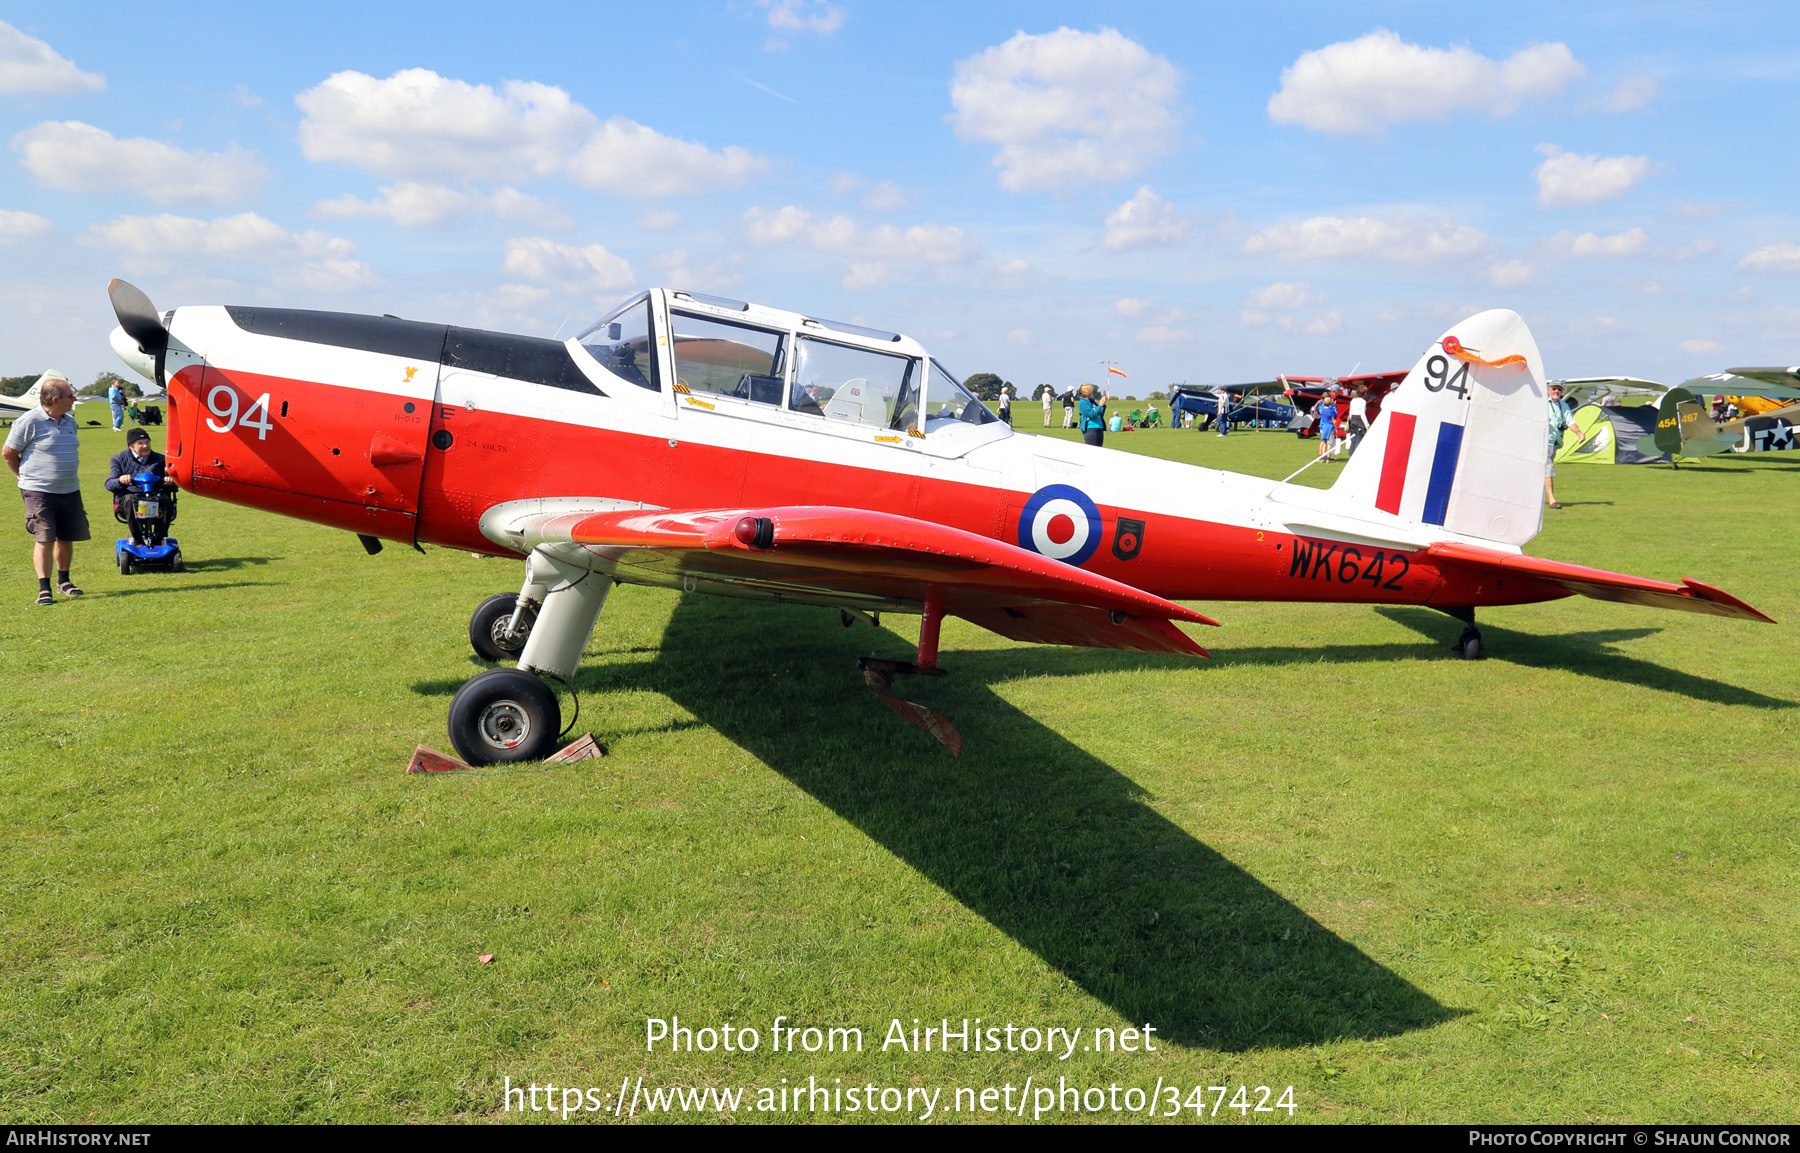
{"x":822,"y":552}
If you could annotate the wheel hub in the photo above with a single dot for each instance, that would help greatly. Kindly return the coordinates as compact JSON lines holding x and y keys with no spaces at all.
{"x":511,"y":642}
{"x":505,"y":725}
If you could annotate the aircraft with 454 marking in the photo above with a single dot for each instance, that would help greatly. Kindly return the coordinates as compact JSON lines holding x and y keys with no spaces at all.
{"x":719,"y":446}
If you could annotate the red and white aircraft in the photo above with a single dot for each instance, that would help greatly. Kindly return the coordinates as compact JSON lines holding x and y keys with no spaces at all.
{"x":712,"y":445}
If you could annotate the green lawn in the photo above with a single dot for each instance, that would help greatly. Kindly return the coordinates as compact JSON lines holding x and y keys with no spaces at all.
{"x":1557,"y":884}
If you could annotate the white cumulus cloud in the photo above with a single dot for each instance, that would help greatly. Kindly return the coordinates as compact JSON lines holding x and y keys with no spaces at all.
{"x":1782,"y":257}
{"x":1699,"y":346}
{"x":311,"y":259}
{"x":843,"y":236}
{"x":1359,"y":87}
{"x":1633,"y":242}
{"x":417,"y":125}
{"x":1570,"y":178}
{"x":659,"y":219}
{"x":590,"y":268}
{"x":1067,"y":108}
{"x":628,"y":159}
{"x":1021,"y":336}
{"x":1407,"y":240}
{"x":28,"y":65}
{"x":413,"y":205}
{"x":16,"y":225}
{"x":802,"y":16}
{"x":1144,"y":221}
{"x":77,"y":157}
{"x":886,"y":197}
{"x":1631,"y":93}
{"x":1282,"y":294}
{"x":1512,"y":274}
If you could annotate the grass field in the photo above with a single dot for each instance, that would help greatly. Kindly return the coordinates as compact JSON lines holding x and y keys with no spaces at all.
{"x":1557,"y":884}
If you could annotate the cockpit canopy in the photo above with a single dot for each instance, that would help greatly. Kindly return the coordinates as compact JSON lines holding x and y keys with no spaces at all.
{"x":762,"y":358}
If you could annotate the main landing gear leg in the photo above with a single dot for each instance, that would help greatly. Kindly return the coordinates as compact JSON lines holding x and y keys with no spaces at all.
{"x":1468,"y":644}
{"x":879,"y":675}
{"x":511,"y":715}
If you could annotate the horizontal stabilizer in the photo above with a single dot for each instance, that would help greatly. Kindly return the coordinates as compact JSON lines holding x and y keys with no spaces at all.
{"x":1688,"y":596}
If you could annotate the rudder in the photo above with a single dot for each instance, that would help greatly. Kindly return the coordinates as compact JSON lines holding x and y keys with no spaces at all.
{"x":1461,"y":444}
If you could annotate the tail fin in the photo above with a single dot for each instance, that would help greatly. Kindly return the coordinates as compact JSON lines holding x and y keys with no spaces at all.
{"x":1461,"y":443}
{"x":29,"y":399}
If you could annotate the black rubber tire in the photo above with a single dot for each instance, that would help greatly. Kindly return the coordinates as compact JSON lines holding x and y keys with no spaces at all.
{"x":124,"y":563}
{"x":1468,"y":645}
{"x":179,"y":565}
{"x":504,"y":716}
{"x":489,"y":622}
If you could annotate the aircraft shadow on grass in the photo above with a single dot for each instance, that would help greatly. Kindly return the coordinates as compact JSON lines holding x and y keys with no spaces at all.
{"x":181,"y":588}
{"x":1586,"y":654}
{"x":1049,"y":844}
{"x":221,"y":563}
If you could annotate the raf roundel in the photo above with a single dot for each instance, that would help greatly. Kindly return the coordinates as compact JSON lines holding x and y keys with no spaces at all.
{"x":1060,"y":522}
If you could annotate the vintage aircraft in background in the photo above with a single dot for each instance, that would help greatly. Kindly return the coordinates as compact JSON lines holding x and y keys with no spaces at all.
{"x":714,"y":445}
{"x":1685,"y":428}
{"x":13,"y":407}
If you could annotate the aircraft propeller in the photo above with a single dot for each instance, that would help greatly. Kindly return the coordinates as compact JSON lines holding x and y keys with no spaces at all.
{"x":141,"y":339}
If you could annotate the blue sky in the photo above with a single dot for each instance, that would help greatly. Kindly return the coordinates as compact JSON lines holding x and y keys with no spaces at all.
{"x":1209,"y":194}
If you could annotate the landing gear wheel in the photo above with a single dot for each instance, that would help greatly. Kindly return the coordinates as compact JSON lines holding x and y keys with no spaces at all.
{"x":124,"y":563}
{"x":487,"y":628}
{"x":1468,"y":645}
{"x":504,"y":716}
{"x":179,"y":565}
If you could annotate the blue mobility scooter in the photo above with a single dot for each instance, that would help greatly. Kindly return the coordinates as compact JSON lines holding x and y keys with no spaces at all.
{"x":146,"y":506}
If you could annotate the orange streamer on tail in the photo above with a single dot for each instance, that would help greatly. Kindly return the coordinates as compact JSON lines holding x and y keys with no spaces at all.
{"x":1455,"y":348}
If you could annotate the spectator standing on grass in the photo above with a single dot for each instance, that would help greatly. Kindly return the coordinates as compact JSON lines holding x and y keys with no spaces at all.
{"x":43,"y":453}
{"x":1006,"y":405}
{"x":1068,"y":399}
{"x":1561,"y":419}
{"x":1093,"y":416}
{"x":1327,"y":412}
{"x":115,"y":396}
{"x":1221,"y":410}
{"x":1359,"y":419}
{"x":1048,"y":397}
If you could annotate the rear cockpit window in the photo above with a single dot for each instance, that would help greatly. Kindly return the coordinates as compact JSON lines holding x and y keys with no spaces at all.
{"x":621,"y":343}
{"x":713,"y":356}
{"x":853,"y":385}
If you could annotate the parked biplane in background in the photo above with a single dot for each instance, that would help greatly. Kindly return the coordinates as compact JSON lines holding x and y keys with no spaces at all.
{"x":713,"y":445}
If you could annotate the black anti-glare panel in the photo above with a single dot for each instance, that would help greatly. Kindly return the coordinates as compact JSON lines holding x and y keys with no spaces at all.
{"x":412,"y":339}
{"x":529,"y":358}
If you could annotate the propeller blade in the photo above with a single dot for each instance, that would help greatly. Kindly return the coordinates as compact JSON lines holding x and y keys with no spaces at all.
{"x":138,"y":317}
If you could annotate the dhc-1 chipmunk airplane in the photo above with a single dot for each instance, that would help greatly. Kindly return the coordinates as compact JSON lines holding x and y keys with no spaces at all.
{"x":713,"y":445}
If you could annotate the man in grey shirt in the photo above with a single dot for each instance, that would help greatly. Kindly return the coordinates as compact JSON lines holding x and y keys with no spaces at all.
{"x":42,"y":450}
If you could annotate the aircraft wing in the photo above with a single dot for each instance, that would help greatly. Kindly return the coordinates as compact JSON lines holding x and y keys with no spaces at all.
{"x":1771,"y":382}
{"x":825,"y":554}
{"x":1254,"y":388}
{"x":1688,"y":596}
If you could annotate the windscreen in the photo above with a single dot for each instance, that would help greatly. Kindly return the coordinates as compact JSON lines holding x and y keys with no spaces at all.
{"x":948,"y":400}
{"x":621,"y":343}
